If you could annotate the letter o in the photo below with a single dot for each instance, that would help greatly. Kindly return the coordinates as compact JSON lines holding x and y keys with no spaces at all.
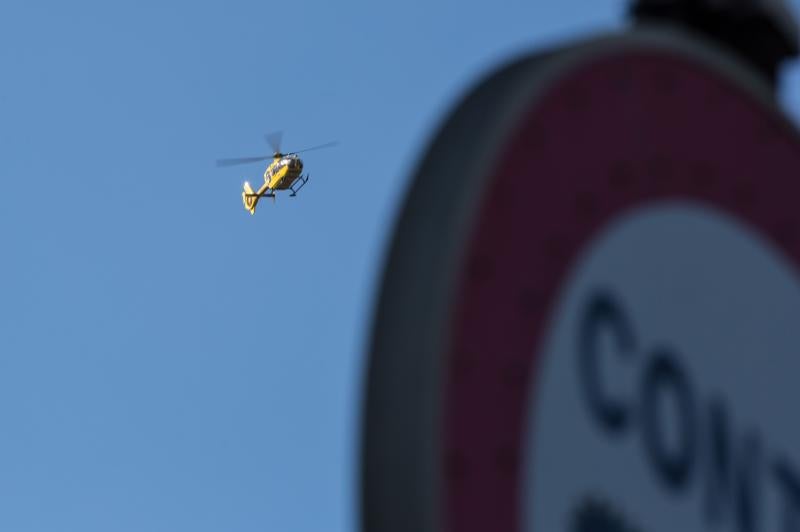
{"x":665,"y":378}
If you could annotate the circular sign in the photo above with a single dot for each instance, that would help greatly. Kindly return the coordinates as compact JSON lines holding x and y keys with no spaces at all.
{"x":590,"y":305}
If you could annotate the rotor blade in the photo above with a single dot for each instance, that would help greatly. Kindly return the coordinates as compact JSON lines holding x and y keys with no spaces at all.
{"x":241,"y":160}
{"x":326,"y":145}
{"x":274,"y":140}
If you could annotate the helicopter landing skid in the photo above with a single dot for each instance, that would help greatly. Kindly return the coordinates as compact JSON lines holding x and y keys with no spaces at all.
{"x":303,"y":180}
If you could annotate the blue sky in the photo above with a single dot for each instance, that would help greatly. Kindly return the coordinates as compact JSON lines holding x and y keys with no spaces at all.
{"x":167,"y":361}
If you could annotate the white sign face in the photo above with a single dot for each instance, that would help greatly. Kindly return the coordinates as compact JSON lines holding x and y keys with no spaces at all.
{"x":669,"y":383}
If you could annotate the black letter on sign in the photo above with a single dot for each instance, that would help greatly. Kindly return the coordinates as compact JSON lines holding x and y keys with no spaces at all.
{"x":731,"y":477}
{"x":748,"y":500}
{"x":719,"y":461}
{"x":603,"y":313}
{"x":790,"y":487}
{"x":664,"y":376}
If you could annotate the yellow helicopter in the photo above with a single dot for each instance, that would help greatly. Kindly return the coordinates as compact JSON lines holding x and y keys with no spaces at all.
{"x":285,"y":172}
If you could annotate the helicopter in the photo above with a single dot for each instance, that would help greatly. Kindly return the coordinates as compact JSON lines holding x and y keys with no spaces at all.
{"x":285,"y":172}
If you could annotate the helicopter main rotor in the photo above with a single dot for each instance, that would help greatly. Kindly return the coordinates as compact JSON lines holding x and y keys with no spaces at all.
{"x":274,"y":141}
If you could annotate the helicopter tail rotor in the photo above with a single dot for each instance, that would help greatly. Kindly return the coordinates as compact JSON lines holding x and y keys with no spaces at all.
{"x":249,"y":198}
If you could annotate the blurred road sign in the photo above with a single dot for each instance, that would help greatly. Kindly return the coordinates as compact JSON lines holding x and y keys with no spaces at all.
{"x":591,"y":305}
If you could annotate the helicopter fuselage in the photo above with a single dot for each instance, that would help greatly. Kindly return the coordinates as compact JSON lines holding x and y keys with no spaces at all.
{"x":283,"y":171}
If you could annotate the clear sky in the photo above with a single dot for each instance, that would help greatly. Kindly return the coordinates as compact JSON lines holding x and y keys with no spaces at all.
{"x":167,"y":361}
